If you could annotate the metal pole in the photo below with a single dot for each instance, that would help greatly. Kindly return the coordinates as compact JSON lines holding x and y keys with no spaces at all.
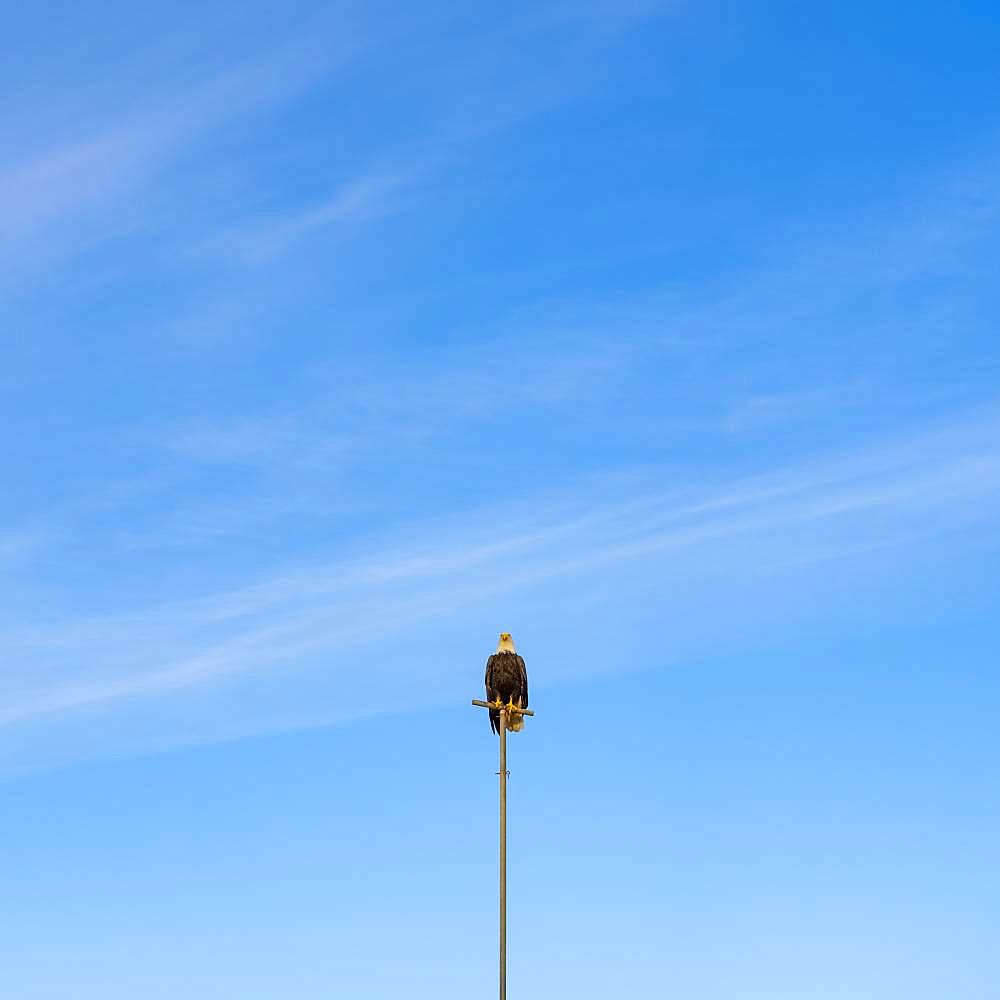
{"x":503,"y":854}
{"x":504,"y":712}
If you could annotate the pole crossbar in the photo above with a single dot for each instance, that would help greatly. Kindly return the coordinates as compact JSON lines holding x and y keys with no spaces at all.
{"x":504,"y":710}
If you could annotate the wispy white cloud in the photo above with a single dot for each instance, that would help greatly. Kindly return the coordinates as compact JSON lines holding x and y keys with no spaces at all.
{"x":343,"y":616}
{"x":64,"y":197}
{"x":100,"y":174}
{"x":577,"y":353}
{"x":361,"y":200}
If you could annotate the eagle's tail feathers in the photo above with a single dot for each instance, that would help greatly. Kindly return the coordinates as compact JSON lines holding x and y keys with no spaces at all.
{"x":515,"y":722}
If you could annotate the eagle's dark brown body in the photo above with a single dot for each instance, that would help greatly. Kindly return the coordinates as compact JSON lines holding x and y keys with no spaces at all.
{"x":506,"y":681}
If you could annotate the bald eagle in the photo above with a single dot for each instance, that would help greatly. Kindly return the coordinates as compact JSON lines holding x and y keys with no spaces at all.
{"x":506,"y":684}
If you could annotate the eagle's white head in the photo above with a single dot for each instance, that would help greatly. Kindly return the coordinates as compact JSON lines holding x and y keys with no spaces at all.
{"x":506,"y":643}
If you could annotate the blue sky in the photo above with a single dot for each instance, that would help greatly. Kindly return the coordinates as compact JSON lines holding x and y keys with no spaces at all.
{"x":339,"y":338}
